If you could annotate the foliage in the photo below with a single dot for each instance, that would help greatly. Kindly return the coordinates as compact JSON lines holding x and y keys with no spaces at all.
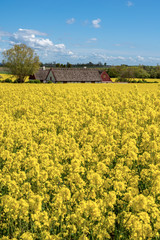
{"x":121,"y":79}
{"x":68,"y":65}
{"x":34,"y":81}
{"x":143,"y":72}
{"x":15,"y":81}
{"x":21,"y":60}
{"x":8,"y":80}
{"x":79,"y":161}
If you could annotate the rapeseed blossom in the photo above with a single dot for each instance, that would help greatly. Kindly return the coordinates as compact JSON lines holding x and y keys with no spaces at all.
{"x":79,"y":161}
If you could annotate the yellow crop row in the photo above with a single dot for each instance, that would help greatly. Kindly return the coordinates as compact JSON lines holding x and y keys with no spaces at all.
{"x":5,"y":76}
{"x":137,"y":79}
{"x":79,"y":161}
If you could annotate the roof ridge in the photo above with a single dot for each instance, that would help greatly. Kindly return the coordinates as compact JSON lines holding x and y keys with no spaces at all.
{"x":75,"y":69}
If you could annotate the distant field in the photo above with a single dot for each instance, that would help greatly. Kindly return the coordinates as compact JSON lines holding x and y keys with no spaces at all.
{"x":4,"y":70}
{"x":137,"y":79}
{"x":4,"y":76}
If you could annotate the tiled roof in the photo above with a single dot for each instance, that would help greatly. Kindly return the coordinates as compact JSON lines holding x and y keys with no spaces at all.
{"x":76,"y":75}
{"x":72,"y":75}
{"x":41,"y":74}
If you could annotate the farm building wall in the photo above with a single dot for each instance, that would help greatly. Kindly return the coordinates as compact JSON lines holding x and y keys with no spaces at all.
{"x":50,"y":77}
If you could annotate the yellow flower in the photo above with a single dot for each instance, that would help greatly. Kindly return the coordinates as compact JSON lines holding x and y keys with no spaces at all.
{"x":75,"y":159}
{"x":26,"y":236}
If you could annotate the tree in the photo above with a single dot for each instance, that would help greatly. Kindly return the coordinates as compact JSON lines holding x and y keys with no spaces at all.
{"x":58,"y":65}
{"x":22,"y":61}
{"x":100,"y":64}
{"x":113,"y":72}
{"x":140,"y":72}
{"x":69,"y":65}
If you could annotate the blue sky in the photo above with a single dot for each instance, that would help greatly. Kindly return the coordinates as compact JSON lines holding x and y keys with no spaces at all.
{"x":111,"y":31}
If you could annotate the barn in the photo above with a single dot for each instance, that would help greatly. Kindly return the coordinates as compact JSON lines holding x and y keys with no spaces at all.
{"x":71,"y":75}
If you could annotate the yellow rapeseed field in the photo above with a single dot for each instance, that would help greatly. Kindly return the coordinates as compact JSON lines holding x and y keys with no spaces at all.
{"x":79,"y":161}
{"x":4,"y":76}
{"x":137,"y":79}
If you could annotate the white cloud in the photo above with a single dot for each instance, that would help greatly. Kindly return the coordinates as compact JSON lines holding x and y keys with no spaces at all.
{"x":50,"y":51}
{"x":129,"y":4}
{"x":31,"y":31}
{"x":154,"y":58}
{"x":131,"y":59}
{"x":60,"y":46}
{"x":116,"y":58}
{"x":29,"y":37}
{"x":34,"y":39}
{"x":43,"y":46}
{"x":140,"y":58}
{"x":93,"y":39}
{"x":96,"y":22}
{"x":104,"y":57}
{"x":70,"y":53}
{"x":70,"y":21}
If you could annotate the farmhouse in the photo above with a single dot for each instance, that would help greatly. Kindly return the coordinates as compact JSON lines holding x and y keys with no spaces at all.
{"x":71,"y":75}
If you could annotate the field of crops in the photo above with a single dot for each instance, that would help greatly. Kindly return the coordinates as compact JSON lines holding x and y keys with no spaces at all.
{"x":79,"y":161}
{"x":4,"y":76}
{"x":150,"y":80}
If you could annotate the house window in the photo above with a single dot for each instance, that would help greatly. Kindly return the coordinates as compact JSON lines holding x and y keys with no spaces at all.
{"x":50,"y":78}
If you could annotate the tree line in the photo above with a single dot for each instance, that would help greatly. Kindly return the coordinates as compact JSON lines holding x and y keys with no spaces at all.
{"x":76,"y":65}
{"x":141,"y":71}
